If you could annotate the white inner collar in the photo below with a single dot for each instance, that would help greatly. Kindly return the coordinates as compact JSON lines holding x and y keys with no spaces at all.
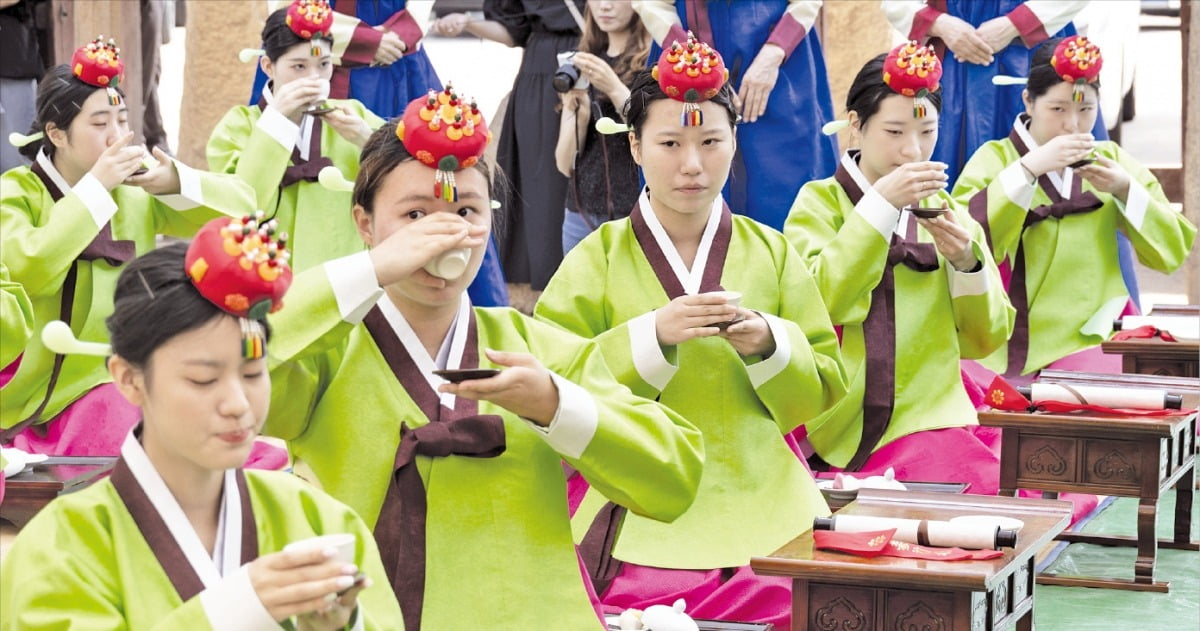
{"x":449,"y":355}
{"x":48,"y":166}
{"x":689,"y":279}
{"x":1062,"y":181}
{"x":226,"y":557}
{"x":306,"y":125}
{"x":856,"y":174}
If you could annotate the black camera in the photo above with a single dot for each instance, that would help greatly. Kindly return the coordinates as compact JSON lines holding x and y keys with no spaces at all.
{"x":567,"y":76}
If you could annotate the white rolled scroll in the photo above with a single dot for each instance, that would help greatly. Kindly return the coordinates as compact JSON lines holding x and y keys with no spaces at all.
{"x":941,"y":534}
{"x":1111,"y":397}
{"x":1179,"y":326}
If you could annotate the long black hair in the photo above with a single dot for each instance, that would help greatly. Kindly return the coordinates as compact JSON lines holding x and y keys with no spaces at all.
{"x":60,"y":98}
{"x":278,"y":37}
{"x":868,"y":91}
{"x":646,"y":90}
{"x":156,"y":301}
{"x":1043,"y":76}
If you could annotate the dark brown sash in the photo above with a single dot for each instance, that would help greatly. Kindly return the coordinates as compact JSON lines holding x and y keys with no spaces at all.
{"x":713,"y":267}
{"x":400,"y":529}
{"x":1078,"y":202}
{"x":166,"y":549}
{"x":879,"y":329}
{"x":301,"y":169}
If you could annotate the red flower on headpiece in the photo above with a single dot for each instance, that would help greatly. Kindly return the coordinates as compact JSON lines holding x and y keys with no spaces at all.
{"x":444,"y":132}
{"x":310,"y":18}
{"x":1077,"y":60}
{"x":691,"y":72}
{"x":240,"y":265}
{"x":98,"y":63}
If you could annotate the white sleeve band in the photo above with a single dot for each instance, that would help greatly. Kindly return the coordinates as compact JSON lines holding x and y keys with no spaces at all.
{"x":99,"y":202}
{"x":652,"y":366}
{"x":879,"y":213}
{"x":277,"y":126}
{"x":574,"y":423}
{"x":766,"y":369}
{"x":354,"y":285}
{"x":191,"y":193}
{"x":1016,"y":185}
{"x":969,"y":283}
{"x":233,"y":604}
{"x":1135,"y":208}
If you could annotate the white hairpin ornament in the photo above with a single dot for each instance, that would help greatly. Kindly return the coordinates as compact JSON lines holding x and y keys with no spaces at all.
{"x":331,"y":178}
{"x":833,"y":127}
{"x":609,"y":126}
{"x":20,"y":140}
{"x":59,"y":338}
{"x":247,"y":55}
{"x":1002,"y":79}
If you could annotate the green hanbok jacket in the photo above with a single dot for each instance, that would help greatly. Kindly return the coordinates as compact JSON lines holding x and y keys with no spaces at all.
{"x":499,"y":553}
{"x":1072,"y":273}
{"x":755,"y":495}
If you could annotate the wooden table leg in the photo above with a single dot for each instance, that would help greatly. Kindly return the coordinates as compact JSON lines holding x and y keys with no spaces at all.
{"x":1025,"y":622}
{"x":1147,"y":518}
{"x":1183,"y":509}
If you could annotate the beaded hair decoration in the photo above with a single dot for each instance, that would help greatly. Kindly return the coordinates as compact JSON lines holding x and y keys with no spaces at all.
{"x":691,"y":72}
{"x":913,"y":70}
{"x":445,"y":132}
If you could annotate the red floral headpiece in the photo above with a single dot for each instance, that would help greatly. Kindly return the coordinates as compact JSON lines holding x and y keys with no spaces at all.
{"x":444,"y":132}
{"x":913,"y":70}
{"x":241,"y":266}
{"x":691,"y":72}
{"x":1078,"y":62}
{"x":310,"y":19}
{"x":99,"y":63}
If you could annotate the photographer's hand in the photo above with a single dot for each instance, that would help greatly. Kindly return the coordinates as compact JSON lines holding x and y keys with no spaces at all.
{"x":601,"y":75}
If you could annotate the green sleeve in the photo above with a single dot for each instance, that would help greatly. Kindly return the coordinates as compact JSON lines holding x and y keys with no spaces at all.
{"x":307,"y":336}
{"x":576,"y":299}
{"x":845,"y":255}
{"x":983,"y":314}
{"x":643,"y":455}
{"x":218,"y":195}
{"x":1163,"y":237}
{"x":239,"y":146}
{"x":16,"y":317}
{"x":41,"y":244}
{"x":981,"y":177}
{"x":814,"y":378}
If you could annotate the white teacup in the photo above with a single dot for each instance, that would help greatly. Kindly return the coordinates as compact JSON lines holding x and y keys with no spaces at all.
{"x":733,"y":299}
{"x":450,"y":265}
{"x":342,"y":542}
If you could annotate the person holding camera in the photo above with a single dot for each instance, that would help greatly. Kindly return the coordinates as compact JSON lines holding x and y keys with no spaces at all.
{"x":525,"y":153}
{"x":603,"y":181}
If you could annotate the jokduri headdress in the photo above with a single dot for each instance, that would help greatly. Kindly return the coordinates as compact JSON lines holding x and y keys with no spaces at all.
{"x":444,"y":131}
{"x":308,"y":19}
{"x":241,"y":265}
{"x":1075,"y":59}
{"x":913,"y":70}
{"x":99,"y":63}
{"x":692,"y":72}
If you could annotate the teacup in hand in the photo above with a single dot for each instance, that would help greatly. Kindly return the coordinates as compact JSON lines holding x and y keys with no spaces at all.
{"x":733,"y":299}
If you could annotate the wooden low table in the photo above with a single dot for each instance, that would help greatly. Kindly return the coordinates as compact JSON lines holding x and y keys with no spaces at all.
{"x":1153,"y":356}
{"x":1138,"y":457}
{"x":835,"y":590}
{"x":29,"y":491}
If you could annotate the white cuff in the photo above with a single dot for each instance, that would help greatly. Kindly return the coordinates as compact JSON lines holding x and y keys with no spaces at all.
{"x":233,"y":604}
{"x":191,"y":193}
{"x":1135,"y":208}
{"x":1016,"y":185}
{"x":277,"y":126}
{"x":648,"y":359}
{"x":354,"y":285}
{"x":574,"y":423}
{"x":879,"y":213}
{"x":99,"y":202}
{"x":969,"y":283}
{"x":766,"y":369}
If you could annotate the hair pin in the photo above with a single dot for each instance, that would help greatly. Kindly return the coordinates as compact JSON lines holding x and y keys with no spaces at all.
{"x":58,"y":337}
{"x":833,"y":127}
{"x":332,"y":178}
{"x":20,"y":140}
{"x":1002,"y":79}
{"x":608,"y":126}
{"x":247,"y":55}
